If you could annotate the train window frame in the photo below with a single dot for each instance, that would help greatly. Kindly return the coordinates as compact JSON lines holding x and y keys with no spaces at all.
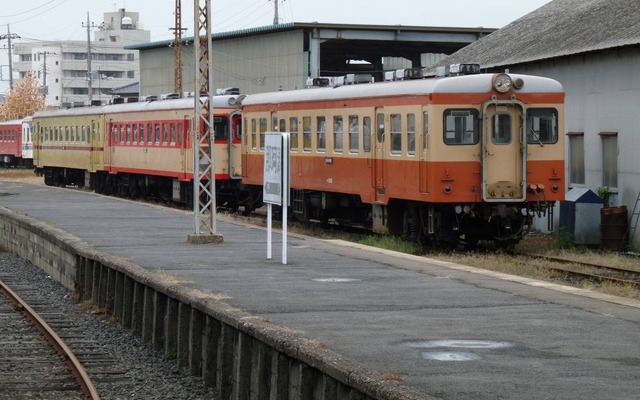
{"x":180,"y":132}
{"x":338,"y":133}
{"x":366,"y":134}
{"x":354,"y":134}
{"x":411,"y":134}
{"x":466,"y":137}
{"x":254,"y":130}
{"x":156,"y":138}
{"x":294,"y":130}
{"x":262,"y":126}
{"x":220,"y":128}
{"x":380,"y":127}
{"x":425,"y":131}
{"x":534,"y":137}
{"x":501,"y":129}
{"x":165,"y":133}
{"x":172,"y":133}
{"x":321,"y":134}
{"x":307,"y":135}
{"x":395,"y":132}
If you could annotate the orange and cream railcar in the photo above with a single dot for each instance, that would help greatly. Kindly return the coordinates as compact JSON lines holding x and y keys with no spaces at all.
{"x":151,"y":150}
{"x":449,"y":159}
{"x":69,"y":145}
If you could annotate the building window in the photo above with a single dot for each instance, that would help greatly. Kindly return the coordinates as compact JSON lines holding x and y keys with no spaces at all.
{"x":576,"y":158}
{"x":130,"y":74}
{"x":130,"y":57}
{"x":609,"y":159}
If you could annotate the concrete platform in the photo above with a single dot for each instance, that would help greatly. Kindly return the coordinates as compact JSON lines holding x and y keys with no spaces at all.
{"x":446,"y":330}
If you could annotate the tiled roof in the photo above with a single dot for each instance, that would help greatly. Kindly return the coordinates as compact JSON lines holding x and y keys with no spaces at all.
{"x":560,"y":28}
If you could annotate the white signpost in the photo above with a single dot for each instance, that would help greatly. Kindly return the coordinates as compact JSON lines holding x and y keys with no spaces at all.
{"x":276,"y":183}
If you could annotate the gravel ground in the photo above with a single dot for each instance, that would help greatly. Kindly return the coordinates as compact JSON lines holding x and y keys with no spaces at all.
{"x":149,"y":375}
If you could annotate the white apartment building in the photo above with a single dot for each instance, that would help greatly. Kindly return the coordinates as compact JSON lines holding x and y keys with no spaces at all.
{"x":62,"y":66}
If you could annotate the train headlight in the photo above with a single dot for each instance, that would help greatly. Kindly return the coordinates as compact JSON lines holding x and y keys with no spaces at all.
{"x":502,"y":83}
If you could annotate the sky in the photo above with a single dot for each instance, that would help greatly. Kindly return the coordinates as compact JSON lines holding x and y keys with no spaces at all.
{"x":66,"y":19}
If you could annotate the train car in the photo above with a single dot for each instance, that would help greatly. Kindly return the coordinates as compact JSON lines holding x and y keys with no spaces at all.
{"x":69,"y":145}
{"x":453,"y":159}
{"x":27,"y":142}
{"x":151,"y":150}
{"x":11,"y":143}
{"x":141,"y":149}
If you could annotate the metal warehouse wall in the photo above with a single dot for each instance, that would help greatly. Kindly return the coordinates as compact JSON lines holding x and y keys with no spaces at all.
{"x":256,"y":64}
{"x":602,"y":95}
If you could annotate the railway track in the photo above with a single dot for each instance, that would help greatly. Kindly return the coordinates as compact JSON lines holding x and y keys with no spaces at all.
{"x":587,"y":270}
{"x":37,"y":362}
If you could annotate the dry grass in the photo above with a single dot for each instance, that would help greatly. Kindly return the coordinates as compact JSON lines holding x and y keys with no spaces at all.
{"x":390,"y":376}
{"x":20,"y":175}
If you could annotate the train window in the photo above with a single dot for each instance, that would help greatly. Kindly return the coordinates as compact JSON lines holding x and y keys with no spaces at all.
{"x":84,"y":134}
{"x":254,"y":129}
{"x":122,"y":134}
{"x":180,"y":133}
{"x":66,"y":134}
{"x":396,"y":133}
{"x":306,"y":133}
{"x":221,"y":128}
{"x":338,"y":134}
{"x":165,"y":133}
{"x":129,"y":133}
{"x":274,"y":123}
{"x":283,"y":125}
{"x":56,"y":135}
{"x":293,"y":127}
{"x":380,"y":127}
{"x":501,"y":129}
{"x":263,"y":129}
{"x":354,"y":134}
{"x":172,"y":128}
{"x":136,"y":136}
{"x":149,"y":133}
{"x":461,"y":126}
{"x":425,"y":131}
{"x":542,"y":125}
{"x":321,"y":124}
{"x":411,"y":134}
{"x":366,"y":134}
{"x":156,"y":139}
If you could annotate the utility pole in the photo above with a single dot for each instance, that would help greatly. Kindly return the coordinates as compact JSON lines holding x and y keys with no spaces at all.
{"x":89,"y":25}
{"x":177,"y":49}
{"x":10,"y":36}
{"x":204,"y":174}
{"x":45,"y":91}
{"x":276,"y":17}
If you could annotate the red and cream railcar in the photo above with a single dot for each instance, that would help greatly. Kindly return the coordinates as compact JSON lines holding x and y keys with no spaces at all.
{"x":11,"y":143}
{"x":458,"y":158}
{"x":69,"y":145}
{"x":151,"y":150}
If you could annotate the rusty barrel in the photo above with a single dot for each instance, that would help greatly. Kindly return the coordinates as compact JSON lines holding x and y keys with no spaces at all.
{"x":613,"y":227}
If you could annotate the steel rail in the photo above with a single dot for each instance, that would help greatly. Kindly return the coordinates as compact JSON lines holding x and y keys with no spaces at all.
{"x":78,"y":371}
{"x":634,"y":282}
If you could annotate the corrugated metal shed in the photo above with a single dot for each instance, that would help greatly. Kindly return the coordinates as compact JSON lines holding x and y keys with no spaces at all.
{"x":560,"y":28}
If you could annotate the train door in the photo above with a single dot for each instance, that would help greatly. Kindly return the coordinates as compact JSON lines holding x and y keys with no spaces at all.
{"x":422,"y":150}
{"x":235,"y":146}
{"x":504,"y":152}
{"x":109,"y":140}
{"x":186,"y":147}
{"x":379,"y":156}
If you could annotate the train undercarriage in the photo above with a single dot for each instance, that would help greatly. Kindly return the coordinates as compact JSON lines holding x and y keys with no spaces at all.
{"x":445,"y":225}
{"x":230,"y":194}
